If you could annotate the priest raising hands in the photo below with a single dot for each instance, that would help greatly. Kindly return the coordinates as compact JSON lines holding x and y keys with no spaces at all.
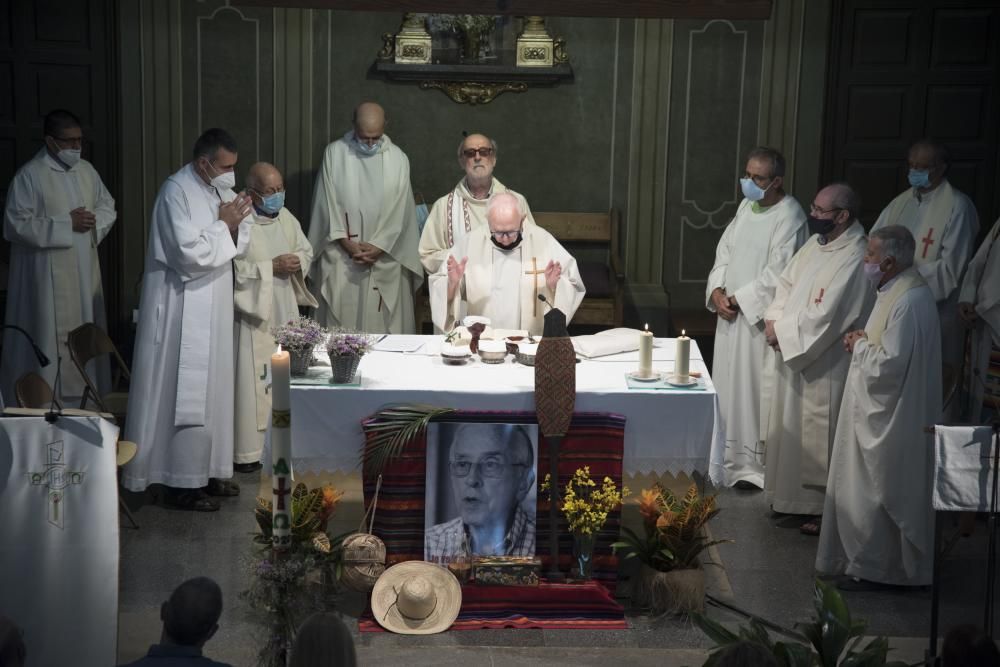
{"x":500,"y":269}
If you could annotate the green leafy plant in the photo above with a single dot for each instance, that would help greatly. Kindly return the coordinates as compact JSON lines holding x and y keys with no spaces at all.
{"x":831,"y":639}
{"x":389,"y":429}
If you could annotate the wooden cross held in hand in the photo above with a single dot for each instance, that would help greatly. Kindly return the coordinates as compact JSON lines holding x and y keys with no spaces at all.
{"x":534,"y":273}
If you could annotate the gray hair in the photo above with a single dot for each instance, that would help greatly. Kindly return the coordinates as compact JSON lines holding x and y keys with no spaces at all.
{"x":501,"y":199}
{"x":846,"y":198}
{"x":771,"y":155}
{"x":461,"y":145}
{"x":898,"y":243}
{"x":514,"y":436}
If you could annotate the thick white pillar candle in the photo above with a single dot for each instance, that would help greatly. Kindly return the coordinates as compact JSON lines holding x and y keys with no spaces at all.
{"x":682,"y":357}
{"x":645,"y":353}
{"x":281,"y":451}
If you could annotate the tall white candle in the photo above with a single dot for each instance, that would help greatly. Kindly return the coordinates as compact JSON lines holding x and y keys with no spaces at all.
{"x":682,"y":357}
{"x":645,"y":353}
{"x":281,"y":451}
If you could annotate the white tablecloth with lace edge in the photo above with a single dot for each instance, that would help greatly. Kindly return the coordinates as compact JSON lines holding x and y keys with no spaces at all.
{"x":666,"y":431}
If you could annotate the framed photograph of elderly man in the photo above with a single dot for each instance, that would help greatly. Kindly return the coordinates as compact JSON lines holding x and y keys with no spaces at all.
{"x":481,"y":490}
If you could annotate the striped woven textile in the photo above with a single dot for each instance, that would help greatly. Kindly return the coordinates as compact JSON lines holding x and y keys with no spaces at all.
{"x":594,"y":439}
{"x":585,"y":606}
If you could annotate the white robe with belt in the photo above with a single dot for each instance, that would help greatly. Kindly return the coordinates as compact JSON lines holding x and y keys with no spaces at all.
{"x":180,"y":409}
{"x":877,"y":520}
{"x":821,"y":295}
{"x":504,"y":285}
{"x":54,"y":281}
{"x":751,"y":254}
{"x":263,"y":301}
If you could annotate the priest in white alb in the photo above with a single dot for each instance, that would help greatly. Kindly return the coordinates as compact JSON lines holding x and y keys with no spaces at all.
{"x":878,"y":524}
{"x":821,"y":295}
{"x":979,"y":308}
{"x":269,"y":288}
{"x":181,"y":398}
{"x":57,"y":213}
{"x":363,"y":231}
{"x":464,"y":208}
{"x":944,"y":223}
{"x":769,"y":226}
{"x":499,"y":270}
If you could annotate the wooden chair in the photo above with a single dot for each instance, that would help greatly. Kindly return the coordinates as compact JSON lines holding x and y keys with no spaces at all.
{"x":88,"y":341}
{"x":593,"y":239}
{"x":32,"y":391}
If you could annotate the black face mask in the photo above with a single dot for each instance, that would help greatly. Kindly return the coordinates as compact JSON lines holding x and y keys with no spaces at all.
{"x":513,"y":244}
{"x":820,"y":226}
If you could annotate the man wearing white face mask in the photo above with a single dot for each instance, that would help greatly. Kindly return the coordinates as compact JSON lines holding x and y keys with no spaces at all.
{"x":270,"y":287}
{"x":57,"y":212}
{"x":769,"y":226}
{"x":363,"y":231}
{"x":181,"y":399}
{"x":944,"y":223}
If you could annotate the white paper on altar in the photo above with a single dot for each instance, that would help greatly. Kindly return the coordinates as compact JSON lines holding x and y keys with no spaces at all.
{"x":59,"y":554}
{"x":963,"y":476}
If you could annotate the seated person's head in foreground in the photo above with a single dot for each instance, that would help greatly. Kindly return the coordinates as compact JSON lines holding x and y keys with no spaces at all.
{"x":191,"y":615}
{"x":968,"y":646}
{"x":323,"y":640}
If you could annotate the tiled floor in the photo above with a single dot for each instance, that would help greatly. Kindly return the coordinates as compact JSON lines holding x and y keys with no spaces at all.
{"x":769,"y":568}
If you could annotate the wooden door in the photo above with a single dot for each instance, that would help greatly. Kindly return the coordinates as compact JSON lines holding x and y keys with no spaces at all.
{"x":900,"y":71}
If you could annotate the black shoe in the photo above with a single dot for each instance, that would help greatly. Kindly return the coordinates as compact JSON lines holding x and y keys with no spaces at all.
{"x":191,"y":500}
{"x":221,"y":487}
{"x":744,"y":485}
{"x":253,"y":466}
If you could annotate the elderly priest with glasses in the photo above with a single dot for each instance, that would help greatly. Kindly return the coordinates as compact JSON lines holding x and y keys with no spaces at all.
{"x":500,"y":269}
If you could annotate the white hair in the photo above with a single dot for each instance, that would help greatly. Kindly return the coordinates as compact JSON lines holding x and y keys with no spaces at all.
{"x":898,"y":243}
{"x":502,"y":200}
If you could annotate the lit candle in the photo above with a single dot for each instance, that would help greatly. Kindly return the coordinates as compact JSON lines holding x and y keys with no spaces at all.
{"x":646,"y":353}
{"x":281,"y":451}
{"x":682,"y":358}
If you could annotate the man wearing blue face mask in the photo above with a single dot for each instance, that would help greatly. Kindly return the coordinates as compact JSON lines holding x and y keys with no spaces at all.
{"x":945,"y":224}
{"x":769,"y":226}
{"x":268,"y":290}
{"x":57,"y":213}
{"x":363,"y":231}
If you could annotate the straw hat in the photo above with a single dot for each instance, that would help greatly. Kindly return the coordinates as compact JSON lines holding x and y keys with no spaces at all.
{"x":416,"y":598}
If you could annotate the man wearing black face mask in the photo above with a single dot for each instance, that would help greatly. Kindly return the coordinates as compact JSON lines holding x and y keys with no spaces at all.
{"x":821,"y":295}
{"x":499,"y":270}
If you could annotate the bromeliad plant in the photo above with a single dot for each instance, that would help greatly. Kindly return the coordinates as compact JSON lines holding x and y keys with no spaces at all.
{"x":584,"y":503}
{"x":673,"y":538}
{"x":299,"y":335}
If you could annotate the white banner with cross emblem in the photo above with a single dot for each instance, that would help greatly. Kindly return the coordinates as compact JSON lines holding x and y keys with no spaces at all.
{"x":59,"y":553}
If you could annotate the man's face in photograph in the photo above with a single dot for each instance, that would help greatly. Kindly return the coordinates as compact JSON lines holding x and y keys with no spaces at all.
{"x":488,"y":477}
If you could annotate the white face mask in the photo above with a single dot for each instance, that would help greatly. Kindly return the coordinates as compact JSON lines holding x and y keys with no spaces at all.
{"x":69,"y":156}
{"x":224,"y":181}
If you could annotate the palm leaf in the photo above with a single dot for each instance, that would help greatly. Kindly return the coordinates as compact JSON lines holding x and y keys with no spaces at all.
{"x":390,"y":429}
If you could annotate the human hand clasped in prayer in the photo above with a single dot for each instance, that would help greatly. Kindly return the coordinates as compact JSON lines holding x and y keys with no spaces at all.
{"x":722,"y":304}
{"x":552,"y":272}
{"x":772,"y":338}
{"x":285,"y":265}
{"x":968,"y":314}
{"x":83,"y":220}
{"x":233,"y":212}
{"x":367,"y":253}
{"x":853,"y":337}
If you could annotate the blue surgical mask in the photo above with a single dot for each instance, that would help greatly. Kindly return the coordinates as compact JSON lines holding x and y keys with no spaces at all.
{"x":919,"y":178}
{"x":365,"y":149}
{"x":752,"y":191}
{"x":273,"y":203}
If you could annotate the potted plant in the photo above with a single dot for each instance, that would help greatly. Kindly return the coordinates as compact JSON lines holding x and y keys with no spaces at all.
{"x":346,"y":349}
{"x":671,"y":578}
{"x":586,"y":505}
{"x":299,"y":337}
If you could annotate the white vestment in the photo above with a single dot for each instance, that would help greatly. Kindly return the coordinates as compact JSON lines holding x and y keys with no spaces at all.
{"x":54,"y":281}
{"x":504,"y":285}
{"x":452,"y":217}
{"x":878,"y":523}
{"x":981,"y":288}
{"x":262,"y":301}
{"x":366,"y":198}
{"x":751,"y":255}
{"x":944,"y":223}
{"x":180,"y":407}
{"x":822,"y":294}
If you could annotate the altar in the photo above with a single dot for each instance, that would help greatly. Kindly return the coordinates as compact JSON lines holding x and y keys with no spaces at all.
{"x":668,"y":430}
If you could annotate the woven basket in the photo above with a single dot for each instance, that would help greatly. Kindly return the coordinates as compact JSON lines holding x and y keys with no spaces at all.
{"x":300,"y":361}
{"x":343,"y":367}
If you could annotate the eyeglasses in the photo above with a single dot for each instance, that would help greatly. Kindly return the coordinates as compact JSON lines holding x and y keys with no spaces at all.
{"x":505,"y":235}
{"x":493,"y":467}
{"x":482,"y":152}
{"x":814,"y":210}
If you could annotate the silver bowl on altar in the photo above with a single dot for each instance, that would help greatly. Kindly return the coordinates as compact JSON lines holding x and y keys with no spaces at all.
{"x":492,"y":351}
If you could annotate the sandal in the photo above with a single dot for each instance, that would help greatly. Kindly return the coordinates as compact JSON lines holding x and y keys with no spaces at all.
{"x":222,"y":487}
{"x":812,"y":526}
{"x":192,"y":500}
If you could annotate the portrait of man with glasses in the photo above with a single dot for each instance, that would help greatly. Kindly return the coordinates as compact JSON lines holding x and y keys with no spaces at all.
{"x":480,"y":496}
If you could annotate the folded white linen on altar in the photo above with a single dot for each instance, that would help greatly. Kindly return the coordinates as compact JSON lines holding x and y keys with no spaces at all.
{"x":603,"y":343}
{"x":963,"y":478}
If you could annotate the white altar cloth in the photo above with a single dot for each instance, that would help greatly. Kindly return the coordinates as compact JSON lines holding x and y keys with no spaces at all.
{"x":963,"y":474}
{"x":668,"y":431}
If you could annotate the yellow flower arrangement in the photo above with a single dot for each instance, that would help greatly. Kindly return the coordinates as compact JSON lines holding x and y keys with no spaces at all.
{"x":585,"y":504}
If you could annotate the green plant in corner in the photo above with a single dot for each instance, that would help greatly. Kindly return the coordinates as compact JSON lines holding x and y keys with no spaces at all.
{"x":831,"y":639}
{"x":389,"y":429}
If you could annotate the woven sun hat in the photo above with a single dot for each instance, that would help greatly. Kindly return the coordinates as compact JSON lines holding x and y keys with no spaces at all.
{"x":416,"y":598}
